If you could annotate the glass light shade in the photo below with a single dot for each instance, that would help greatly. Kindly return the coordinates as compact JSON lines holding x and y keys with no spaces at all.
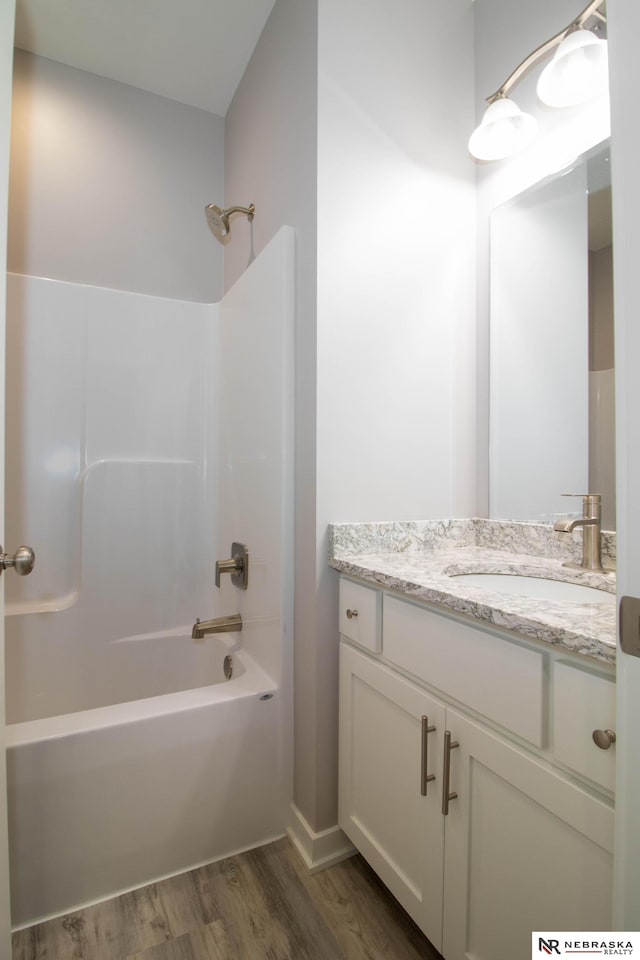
{"x":579,"y":71}
{"x":504,"y":130}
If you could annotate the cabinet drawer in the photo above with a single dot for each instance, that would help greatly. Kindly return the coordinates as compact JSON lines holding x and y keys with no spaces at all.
{"x":501,"y":680}
{"x":360,"y":619}
{"x":583,"y":702}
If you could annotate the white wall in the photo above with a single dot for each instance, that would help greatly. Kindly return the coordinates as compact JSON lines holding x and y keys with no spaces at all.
{"x":395,"y":279}
{"x":505,"y":34}
{"x":108,"y":184}
{"x":395,"y":255}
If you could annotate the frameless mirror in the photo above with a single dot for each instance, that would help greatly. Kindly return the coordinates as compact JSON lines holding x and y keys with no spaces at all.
{"x":551,"y":330}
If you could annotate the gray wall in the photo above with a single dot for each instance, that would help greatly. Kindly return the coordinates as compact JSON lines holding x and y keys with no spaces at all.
{"x":108,"y":184}
{"x":270,"y":159}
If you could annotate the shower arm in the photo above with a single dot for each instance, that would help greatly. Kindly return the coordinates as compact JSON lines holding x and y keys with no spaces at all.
{"x":248,"y":211}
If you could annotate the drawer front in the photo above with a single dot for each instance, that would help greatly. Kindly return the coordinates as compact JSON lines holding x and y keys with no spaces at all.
{"x":360,"y":615}
{"x":501,"y":680}
{"x":584,"y":702}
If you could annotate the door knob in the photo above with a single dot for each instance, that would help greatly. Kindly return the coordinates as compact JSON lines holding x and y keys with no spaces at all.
{"x":604,"y":738}
{"x":22,"y":561}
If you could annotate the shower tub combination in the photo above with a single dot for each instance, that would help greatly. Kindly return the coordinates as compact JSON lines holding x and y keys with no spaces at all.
{"x":107,"y":799}
{"x":131,"y":757}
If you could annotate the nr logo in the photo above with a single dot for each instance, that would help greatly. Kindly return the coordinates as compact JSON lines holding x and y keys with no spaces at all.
{"x":548,"y":946}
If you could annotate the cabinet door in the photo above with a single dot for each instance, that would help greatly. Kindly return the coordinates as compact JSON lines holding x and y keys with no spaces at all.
{"x":397,"y":829}
{"x":524,"y":850}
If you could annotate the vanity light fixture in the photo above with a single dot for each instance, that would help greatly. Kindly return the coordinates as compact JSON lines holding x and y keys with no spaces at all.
{"x":578,"y":72}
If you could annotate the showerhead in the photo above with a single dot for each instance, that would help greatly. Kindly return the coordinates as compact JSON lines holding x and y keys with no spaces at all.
{"x":218,"y":219}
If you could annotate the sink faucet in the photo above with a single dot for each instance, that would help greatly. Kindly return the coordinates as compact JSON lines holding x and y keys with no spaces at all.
{"x":230,"y":624}
{"x":590,"y":521}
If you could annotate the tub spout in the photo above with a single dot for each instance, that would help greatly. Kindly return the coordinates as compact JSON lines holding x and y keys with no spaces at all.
{"x":230,"y":624}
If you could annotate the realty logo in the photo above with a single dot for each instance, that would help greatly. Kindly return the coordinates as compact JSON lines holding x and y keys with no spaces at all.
{"x":548,"y":946}
{"x":579,"y":944}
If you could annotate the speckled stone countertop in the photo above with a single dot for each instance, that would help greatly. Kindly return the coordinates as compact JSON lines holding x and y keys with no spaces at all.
{"x":421,"y":559}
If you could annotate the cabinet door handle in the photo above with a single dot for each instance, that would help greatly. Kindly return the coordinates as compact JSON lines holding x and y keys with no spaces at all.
{"x":604,"y":738}
{"x":351,"y":614}
{"x":449,"y":745}
{"x":425,"y":777}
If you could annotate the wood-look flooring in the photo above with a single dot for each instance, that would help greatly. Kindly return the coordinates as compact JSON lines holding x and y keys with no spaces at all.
{"x":259,"y":905}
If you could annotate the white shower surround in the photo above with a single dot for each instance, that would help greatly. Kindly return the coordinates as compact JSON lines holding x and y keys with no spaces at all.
{"x":163,"y":433}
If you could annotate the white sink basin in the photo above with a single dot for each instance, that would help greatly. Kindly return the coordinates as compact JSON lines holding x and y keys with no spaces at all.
{"x":535,"y":587}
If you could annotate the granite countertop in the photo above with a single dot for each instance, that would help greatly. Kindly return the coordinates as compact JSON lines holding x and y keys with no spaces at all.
{"x":420,"y":560}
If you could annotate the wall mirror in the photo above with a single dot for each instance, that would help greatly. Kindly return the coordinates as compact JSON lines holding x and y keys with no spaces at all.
{"x":552,"y":418}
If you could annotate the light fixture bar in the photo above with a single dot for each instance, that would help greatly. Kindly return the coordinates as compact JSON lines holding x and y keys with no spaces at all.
{"x":590,"y":10}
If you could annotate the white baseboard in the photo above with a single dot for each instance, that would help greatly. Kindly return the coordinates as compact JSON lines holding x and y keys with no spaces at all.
{"x":318,"y":850}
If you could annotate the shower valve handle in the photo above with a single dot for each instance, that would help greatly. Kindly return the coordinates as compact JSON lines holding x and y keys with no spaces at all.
{"x":22,"y":561}
{"x":237,"y":566}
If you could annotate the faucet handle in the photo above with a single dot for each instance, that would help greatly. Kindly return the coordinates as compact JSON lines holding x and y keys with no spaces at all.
{"x":237,"y":566}
{"x":585,"y":496}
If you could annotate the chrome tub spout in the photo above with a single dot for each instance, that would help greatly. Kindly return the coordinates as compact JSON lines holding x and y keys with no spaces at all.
{"x":230,"y":624}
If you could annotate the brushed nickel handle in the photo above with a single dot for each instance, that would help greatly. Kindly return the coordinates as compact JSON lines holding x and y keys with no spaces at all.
{"x":425,"y":777}
{"x":351,"y":614}
{"x":449,"y":745}
{"x":604,"y":738}
{"x":22,"y":561}
{"x":237,"y":566}
{"x":232,"y":624}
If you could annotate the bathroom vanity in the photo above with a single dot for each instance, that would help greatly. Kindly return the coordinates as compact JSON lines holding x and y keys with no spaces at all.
{"x":477,"y":743}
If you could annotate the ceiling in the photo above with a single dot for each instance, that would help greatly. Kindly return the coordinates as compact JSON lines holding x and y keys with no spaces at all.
{"x":193,"y":51}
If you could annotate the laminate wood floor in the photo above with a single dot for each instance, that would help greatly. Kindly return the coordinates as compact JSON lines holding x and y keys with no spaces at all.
{"x":259,"y":905}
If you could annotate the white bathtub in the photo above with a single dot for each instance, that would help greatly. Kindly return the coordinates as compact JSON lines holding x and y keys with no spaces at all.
{"x":107,"y":799}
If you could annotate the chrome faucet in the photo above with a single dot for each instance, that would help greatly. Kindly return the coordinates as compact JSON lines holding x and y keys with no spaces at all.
{"x":590,"y":521}
{"x":230,"y":624}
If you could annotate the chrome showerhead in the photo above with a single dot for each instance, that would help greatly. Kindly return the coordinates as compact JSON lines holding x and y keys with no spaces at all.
{"x":218,"y":219}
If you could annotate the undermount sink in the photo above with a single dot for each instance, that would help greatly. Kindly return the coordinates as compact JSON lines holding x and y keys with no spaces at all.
{"x":535,"y":588}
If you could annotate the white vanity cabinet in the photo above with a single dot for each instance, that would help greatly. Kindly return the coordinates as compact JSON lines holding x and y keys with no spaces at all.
{"x":524,"y":845}
{"x":388,"y":808}
{"x":525,"y":849}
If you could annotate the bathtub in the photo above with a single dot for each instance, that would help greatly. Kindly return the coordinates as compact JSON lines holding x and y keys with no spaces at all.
{"x":107,"y":799}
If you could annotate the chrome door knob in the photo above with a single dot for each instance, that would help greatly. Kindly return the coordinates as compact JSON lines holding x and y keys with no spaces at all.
{"x":22,"y":561}
{"x":351,"y":614}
